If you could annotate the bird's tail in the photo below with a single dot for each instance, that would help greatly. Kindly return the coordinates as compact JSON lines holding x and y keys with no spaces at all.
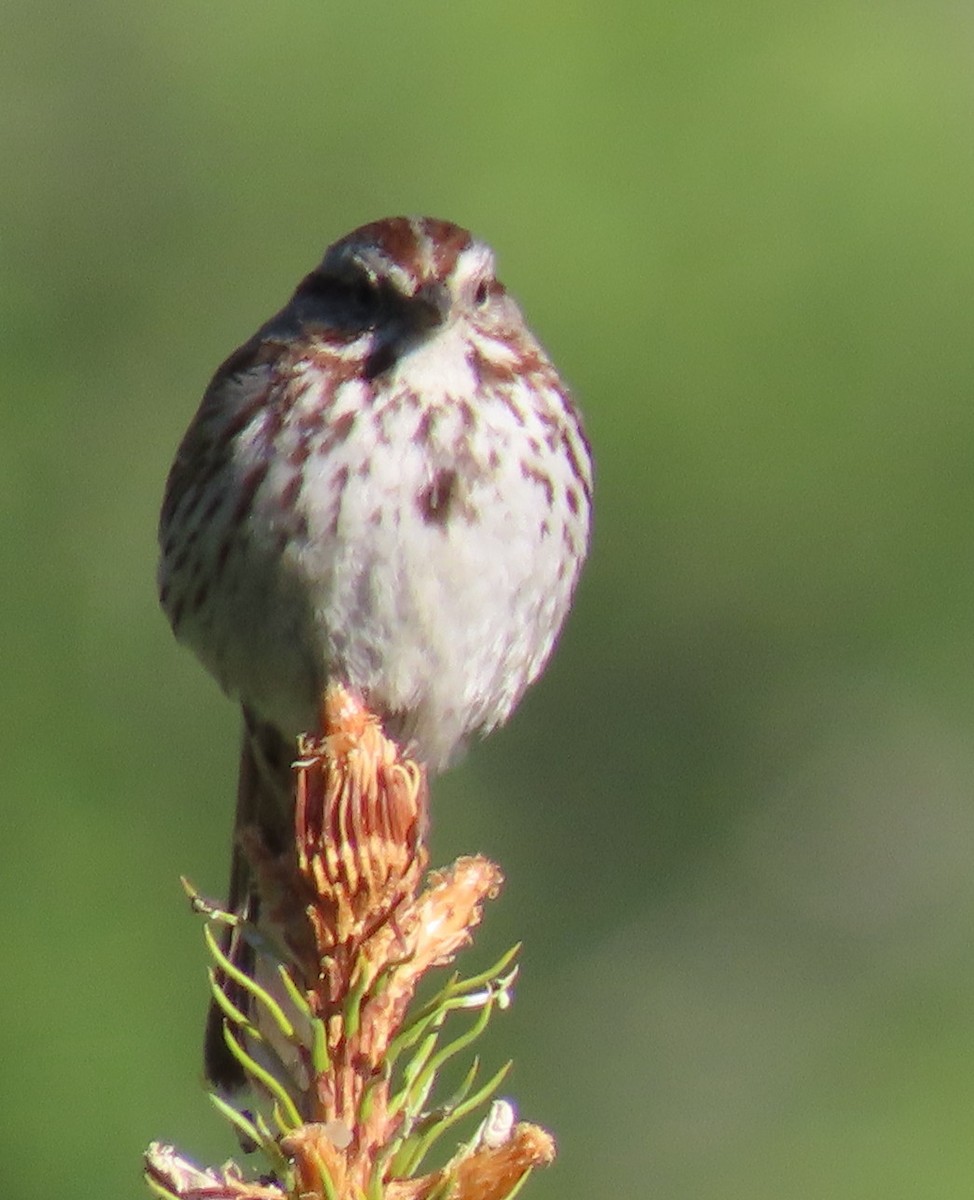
{"x":265,"y":815}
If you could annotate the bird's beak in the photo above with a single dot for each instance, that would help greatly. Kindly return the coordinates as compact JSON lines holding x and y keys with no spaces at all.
{"x":430,"y":305}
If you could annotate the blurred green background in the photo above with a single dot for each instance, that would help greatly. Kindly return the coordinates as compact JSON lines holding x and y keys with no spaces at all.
{"x":737,"y":817}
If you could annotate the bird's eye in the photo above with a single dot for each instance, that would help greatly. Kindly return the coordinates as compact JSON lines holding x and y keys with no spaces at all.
{"x":482,"y":294}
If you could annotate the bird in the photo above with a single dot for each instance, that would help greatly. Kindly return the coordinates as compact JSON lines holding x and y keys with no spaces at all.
{"x":388,"y":486}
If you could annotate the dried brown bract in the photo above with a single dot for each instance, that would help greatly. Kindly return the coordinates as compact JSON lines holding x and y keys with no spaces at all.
{"x":351,"y":923}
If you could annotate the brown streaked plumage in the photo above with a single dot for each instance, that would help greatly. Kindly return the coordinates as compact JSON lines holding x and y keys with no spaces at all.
{"x":386,"y":486}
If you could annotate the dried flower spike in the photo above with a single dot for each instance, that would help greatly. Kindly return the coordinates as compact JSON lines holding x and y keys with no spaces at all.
{"x":347,"y":1074}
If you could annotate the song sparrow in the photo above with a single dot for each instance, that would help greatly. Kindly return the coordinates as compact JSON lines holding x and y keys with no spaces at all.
{"x":387,"y":486}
